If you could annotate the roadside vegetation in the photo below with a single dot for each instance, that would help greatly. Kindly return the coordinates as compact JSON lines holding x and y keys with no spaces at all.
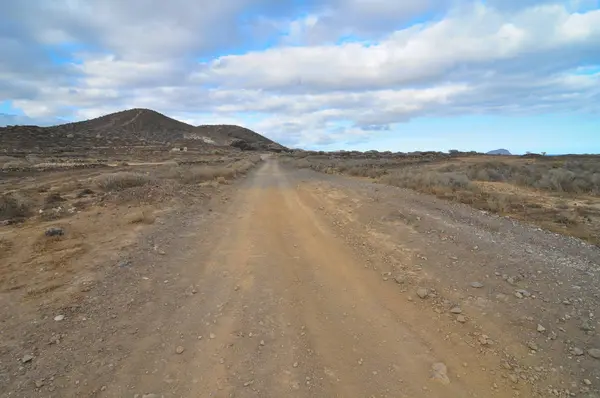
{"x":561,"y":194}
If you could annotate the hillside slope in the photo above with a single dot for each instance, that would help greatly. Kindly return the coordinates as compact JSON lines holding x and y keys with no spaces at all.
{"x":134,"y":127}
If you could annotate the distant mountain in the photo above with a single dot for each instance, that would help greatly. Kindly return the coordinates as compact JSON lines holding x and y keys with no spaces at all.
{"x":499,"y":152}
{"x":134,"y":127}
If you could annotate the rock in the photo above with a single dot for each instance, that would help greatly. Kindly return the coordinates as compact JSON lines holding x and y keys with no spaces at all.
{"x":513,"y":378}
{"x":151,"y":396}
{"x":39,"y":383}
{"x":524,"y":292}
{"x":212,"y":335}
{"x":295,"y":364}
{"x":439,"y":372}
{"x":456,"y":310}
{"x":59,"y":318}
{"x":540,"y":328}
{"x":587,"y":382}
{"x":262,"y":342}
{"x":577,"y":351}
{"x":461,"y":318}
{"x":484,"y":340}
{"x":179,"y":349}
{"x":518,"y":295}
{"x":54,"y":231}
{"x":594,"y":353}
{"x":27,"y":358}
{"x":476,"y":285}
{"x":532,"y":346}
{"x":587,"y":326}
{"x":248,"y":383}
{"x":422,"y":292}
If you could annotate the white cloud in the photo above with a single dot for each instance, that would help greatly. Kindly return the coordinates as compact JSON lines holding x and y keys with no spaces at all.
{"x":338,"y":71}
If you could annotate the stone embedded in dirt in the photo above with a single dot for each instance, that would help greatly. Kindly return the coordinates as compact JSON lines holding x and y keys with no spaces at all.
{"x":476,"y":285}
{"x":39,"y":383}
{"x":27,"y":358}
{"x":594,"y":353}
{"x":532,"y":346}
{"x":248,"y":383}
{"x":577,"y":351}
{"x":461,"y":318}
{"x":540,"y":328}
{"x":587,"y":382}
{"x":212,"y":335}
{"x":295,"y":364}
{"x":518,"y":295}
{"x":484,"y":340}
{"x":456,"y":310}
{"x":586,"y":326}
{"x":54,"y":231}
{"x":262,"y":342}
{"x":179,"y":350}
{"x":59,"y":318}
{"x":524,"y":292}
{"x":439,"y":372}
{"x":422,"y":292}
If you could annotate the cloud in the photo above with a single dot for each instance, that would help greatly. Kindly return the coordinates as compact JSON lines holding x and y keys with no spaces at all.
{"x":307,"y":73}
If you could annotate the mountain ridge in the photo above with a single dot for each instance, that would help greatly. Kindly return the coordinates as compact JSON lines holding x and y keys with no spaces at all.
{"x":131,"y":127}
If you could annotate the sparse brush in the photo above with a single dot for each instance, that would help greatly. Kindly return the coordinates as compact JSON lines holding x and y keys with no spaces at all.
{"x":122,"y":180}
{"x":141,"y":217}
{"x":14,"y":206}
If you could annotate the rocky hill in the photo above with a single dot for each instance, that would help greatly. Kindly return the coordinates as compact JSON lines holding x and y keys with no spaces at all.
{"x":499,"y":152}
{"x":130,"y":128}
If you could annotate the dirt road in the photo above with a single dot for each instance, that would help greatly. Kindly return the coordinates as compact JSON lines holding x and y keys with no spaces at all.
{"x":306,"y":285}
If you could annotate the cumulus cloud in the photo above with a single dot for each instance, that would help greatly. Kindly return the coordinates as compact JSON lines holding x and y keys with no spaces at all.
{"x":314,"y":74}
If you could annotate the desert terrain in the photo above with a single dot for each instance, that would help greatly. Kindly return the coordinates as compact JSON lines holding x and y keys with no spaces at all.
{"x":216,"y":264}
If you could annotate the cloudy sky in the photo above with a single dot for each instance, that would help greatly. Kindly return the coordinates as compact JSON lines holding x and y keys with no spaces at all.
{"x":333,"y":74}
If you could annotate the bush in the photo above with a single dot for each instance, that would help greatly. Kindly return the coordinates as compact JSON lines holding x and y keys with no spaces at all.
{"x":14,"y":206}
{"x":122,"y":180}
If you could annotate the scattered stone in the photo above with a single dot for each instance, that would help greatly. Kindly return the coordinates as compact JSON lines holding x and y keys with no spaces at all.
{"x":54,"y":231}
{"x":513,"y":378}
{"x":179,"y":349}
{"x":587,"y":382}
{"x":524,"y":292}
{"x":594,"y":353}
{"x":248,"y":383}
{"x":586,"y":326}
{"x":456,"y":310}
{"x":295,"y":364}
{"x":476,"y":285}
{"x":577,"y":351}
{"x":212,"y":335}
{"x":151,"y":396}
{"x":59,"y":318}
{"x":518,"y":295}
{"x":262,"y":342}
{"x":422,"y":292}
{"x":27,"y":358}
{"x":540,"y":328}
{"x":484,"y":340}
{"x":461,"y":319}
{"x":103,"y":388}
{"x":439,"y":372}
{"x":39,"y":383}
{"x":532,"y":346}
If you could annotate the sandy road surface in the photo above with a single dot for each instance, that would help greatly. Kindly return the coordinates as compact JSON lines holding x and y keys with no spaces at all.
{"x":305,"y":286}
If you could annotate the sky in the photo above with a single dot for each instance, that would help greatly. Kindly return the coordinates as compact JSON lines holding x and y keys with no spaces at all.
{"x":399,"y":75}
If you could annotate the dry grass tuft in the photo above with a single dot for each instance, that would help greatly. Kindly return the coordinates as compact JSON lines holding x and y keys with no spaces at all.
{"x":122,"y":180}
{"x":14,"y":207}
{"x":141,"y":217}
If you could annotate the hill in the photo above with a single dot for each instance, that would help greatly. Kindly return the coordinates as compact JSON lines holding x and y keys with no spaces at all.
{"x":130,"y":128}
{"x":499,"y":152}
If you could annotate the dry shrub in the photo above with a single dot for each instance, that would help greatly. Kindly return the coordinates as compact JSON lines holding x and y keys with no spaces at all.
{"x":15,"y":164}
{"x":199,"y":174}
{"x":122,"y":180}
{"x":430,"y":181}
{"x":14,"y":206}
{"x":141,"y":217}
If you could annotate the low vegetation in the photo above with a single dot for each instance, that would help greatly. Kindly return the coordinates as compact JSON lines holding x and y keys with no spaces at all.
{"x":557,"y":193}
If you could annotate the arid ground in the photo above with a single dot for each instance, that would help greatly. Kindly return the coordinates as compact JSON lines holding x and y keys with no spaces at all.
{"x":273,"y":281}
